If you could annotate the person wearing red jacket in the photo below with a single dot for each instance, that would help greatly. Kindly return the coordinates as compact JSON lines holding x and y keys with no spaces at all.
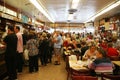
{"x":111,"y":51}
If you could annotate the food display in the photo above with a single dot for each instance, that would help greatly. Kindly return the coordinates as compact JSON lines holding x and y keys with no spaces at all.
{"x":2,"y":47}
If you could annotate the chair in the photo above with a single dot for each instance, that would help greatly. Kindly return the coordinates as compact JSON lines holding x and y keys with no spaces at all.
{"x":79,"y":72}
{"x":84,"y":78}
{"x":110,"y":77}
{"x":74,"y":72}
{"x":67,"y":67}
{"x":67,"y":63}
{"x":114,"y":58}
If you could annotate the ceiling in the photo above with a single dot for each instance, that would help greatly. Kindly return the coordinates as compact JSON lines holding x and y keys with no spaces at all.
{"x":58,"y":9}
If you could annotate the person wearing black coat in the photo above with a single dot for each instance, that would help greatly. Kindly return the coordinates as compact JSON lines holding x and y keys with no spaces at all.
{"x":44,"y":49}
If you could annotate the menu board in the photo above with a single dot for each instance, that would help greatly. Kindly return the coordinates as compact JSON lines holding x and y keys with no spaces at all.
{"x":24,"y":18}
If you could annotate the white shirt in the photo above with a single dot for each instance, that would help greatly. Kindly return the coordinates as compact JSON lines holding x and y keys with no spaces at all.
{"x":20,"y":42}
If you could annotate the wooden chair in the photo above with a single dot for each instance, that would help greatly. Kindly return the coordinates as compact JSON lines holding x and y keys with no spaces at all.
{"x":79,"y":72}
{"x":67,"y":67}
{"x":67,"y":63}
{"x":84,"y":78}
{"x":114,"y":58}
{"x":110,"y":77}
{"x":74,"y":72}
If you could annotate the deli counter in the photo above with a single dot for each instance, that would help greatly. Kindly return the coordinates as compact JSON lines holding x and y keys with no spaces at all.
{"x":3,"y":70}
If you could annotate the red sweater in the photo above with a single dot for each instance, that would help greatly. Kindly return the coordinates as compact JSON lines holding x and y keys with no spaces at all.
{"x":112,"y":52}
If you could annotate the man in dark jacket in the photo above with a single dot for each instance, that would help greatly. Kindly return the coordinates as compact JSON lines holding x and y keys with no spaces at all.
{"x":43,"y":49}
{"x":10,"y":54}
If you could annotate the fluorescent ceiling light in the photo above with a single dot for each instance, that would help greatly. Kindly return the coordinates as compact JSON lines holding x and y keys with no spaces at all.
{"x":39,"y":23}
{"x":75,"y":4}
{"x":104,"y":10}
{"x":39,"y":6}
{"x":70,"y":16}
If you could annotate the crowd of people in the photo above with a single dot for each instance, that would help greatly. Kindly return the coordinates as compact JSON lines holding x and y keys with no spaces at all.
{"x":44,"y":45}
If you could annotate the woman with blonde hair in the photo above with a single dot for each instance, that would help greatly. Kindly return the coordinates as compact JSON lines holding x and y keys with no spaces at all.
{"x":90,"y":53}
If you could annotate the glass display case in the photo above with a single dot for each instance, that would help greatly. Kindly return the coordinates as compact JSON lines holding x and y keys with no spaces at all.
{"x":3,"y":70}
{"x":2,"y":49}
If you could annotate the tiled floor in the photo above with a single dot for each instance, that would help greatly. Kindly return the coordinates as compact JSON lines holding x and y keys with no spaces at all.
{"x":49,"y":72}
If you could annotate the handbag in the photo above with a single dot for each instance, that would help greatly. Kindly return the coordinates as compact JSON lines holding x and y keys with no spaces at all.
{"x":26,"y":54}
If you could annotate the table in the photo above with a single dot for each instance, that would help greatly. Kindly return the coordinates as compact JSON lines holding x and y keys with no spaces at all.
{"x":117,"y":67}
{"x":116,"y":63}
{"x":79,"y":65}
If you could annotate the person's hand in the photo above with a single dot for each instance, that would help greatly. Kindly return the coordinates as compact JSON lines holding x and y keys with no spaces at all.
{"x":2,"y":46}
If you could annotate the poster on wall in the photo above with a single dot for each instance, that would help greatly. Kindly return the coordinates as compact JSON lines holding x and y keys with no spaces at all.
{"x":24,"y":18}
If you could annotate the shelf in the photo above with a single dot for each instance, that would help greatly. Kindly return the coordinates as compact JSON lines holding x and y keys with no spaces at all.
{"x":15,"y":21}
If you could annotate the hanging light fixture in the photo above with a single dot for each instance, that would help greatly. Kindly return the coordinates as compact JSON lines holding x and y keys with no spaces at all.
{"x":73,"y":9}
{"x":70,"y":16}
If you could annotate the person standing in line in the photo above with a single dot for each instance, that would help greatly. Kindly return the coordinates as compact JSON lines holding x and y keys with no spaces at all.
{"x":57,"y":47}
{"x":32,"y":46}
{"x":19,"y":49}
{"x":50,"y":47}
{"x":43,"y":49}
{"x":10,"y":54}
{"x":25,"y":39}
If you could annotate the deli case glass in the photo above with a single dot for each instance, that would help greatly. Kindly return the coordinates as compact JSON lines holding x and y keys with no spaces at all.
{"x":3,"y":70}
